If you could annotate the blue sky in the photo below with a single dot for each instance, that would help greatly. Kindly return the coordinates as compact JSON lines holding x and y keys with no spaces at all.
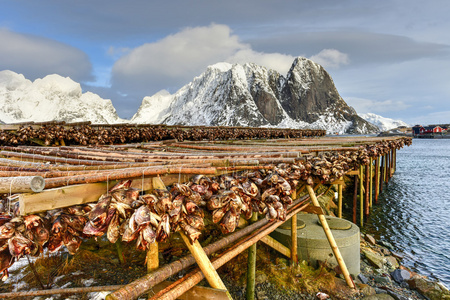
{"x":391,"y":58}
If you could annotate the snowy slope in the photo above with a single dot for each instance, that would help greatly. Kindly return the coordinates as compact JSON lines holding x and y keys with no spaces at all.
{"x":383,"y":123}
{"x":52,"y":98}
{"x":251,"y":95}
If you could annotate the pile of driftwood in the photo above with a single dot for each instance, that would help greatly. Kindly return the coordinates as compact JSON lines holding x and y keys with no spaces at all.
{"x":52,"y":134}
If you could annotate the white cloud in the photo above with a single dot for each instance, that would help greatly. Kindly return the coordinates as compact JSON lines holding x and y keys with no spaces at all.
{"x":176,"y":59}
{"x":330,"y":58}
{"x":363,"y":106}
{"x":36,"y":57}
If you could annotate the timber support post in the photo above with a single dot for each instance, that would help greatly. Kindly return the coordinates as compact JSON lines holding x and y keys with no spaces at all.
{"x":251,"y":266}
{"x":361,"y":195}
{"x":294,"y":245}
{"x":371,"y":182}
{"x":204,"y":263}
{"x":331,"y":240}
{"x":367,"y":187}
{"x":377,"y":178}
{"x":355,"y":199}
{"x":340,"y":199}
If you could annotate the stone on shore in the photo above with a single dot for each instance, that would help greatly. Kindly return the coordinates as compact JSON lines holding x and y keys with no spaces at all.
{"x":429,"y":289}
{"x":400,"y":275}
{"x":374,"y":259}
{"x":392,"y":262}
{"x":379,"y":297}
{"x":370,"y":239}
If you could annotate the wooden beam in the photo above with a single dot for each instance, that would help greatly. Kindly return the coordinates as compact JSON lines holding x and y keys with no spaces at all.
{"x":204,"y":263}
{"x":21,"y":184}
{"x":61,"y":197}
{"x":371,"y":182}
{"x":273,"y":243}
{"x":294,"y":244}
{"x":85,"y":193}
{"x":340,"y":200}
{"x":251,"y":266}
{"x":367,"y":187}
{"x":361,"y":195}
{"x":331,"y":240}
{"x":196,"y":292}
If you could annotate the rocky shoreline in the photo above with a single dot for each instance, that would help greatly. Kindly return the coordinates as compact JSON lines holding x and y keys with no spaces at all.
{"x":382,"y":277}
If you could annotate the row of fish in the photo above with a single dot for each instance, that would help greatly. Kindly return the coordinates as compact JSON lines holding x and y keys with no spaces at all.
{"x":125,"y":212}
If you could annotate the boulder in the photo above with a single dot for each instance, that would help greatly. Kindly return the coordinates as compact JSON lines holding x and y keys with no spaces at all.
{"x":392,"y":262}
{"x":379,"y":297}
{"x":374,"y":259}
{"x":370,"y":239}
{"x":400,"y":275}
{"x":428,"y":288}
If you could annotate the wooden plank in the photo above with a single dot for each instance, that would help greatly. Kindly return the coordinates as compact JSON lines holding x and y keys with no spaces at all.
{"x":196,"y":292}
{"x":61,"y":197}
{"x":85,"y":193}
{"x":312,"y":209}
{"x":273,"y":243}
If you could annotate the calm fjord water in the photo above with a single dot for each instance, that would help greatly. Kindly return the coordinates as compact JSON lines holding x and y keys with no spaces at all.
{"x":413,"y":211}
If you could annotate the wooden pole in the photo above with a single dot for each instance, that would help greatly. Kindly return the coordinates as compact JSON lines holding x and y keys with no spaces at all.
{"x":371,"y":182}
{"x":191,"y":279}
{"x":294,"y":245}
{"x":386,"y":168}
{"x":361,"y":195}
{"x":367,"y":185}
{"x":204,"y":263}
{"x":276,"y":245}
{"x":119,"y":251}
{"x":340,"y":199}
{"x":355,"y":198}
{"x":382,"y":167}
{"x":141,"y":285}
{"x":331,"y":240}
{"x":377,"y":178}
{"x":21,"y":184}
{"x":251,"y":266}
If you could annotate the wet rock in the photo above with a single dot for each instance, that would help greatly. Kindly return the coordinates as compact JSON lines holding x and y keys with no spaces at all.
{"x":397,"y":255}
{"x":370,"y":239}
{"x":382,"y":280}
{"x":400,"y":275}
{"x":429,"y":289}
{"x":386,"y":244}
{"x":379,"y":297}
{"x":363,"y":278}
{"x":366,"y":289}
{"x":396,"y":296}
{"x":392,"y":262}
{"x":374,"y":259}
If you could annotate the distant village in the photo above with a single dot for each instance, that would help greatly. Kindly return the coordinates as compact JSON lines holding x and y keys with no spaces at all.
{"x":419,"y":131}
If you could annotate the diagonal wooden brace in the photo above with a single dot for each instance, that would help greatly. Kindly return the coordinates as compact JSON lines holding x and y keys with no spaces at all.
{"x":331,"y":240}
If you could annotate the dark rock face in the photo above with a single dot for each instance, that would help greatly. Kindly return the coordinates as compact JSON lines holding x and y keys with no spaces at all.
{"x":250,"y":95}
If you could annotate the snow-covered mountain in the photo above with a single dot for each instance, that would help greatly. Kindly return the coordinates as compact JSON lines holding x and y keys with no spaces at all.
{"x":52,"y":98}
{"x":251,"y":95}
{"x":383,"y":123}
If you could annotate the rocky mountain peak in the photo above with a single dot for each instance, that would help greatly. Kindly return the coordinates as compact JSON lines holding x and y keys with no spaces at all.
{"x":251,"y":95}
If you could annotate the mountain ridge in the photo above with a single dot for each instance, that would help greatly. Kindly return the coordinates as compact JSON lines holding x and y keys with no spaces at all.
{"x":251,"y":95}
{"x":225,"y":94}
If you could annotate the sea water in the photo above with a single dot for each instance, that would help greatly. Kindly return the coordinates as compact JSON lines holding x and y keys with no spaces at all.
{"x":413,"y":211}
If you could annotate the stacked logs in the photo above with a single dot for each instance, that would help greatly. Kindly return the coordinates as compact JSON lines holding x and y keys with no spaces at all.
{"x":89,"y":135}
